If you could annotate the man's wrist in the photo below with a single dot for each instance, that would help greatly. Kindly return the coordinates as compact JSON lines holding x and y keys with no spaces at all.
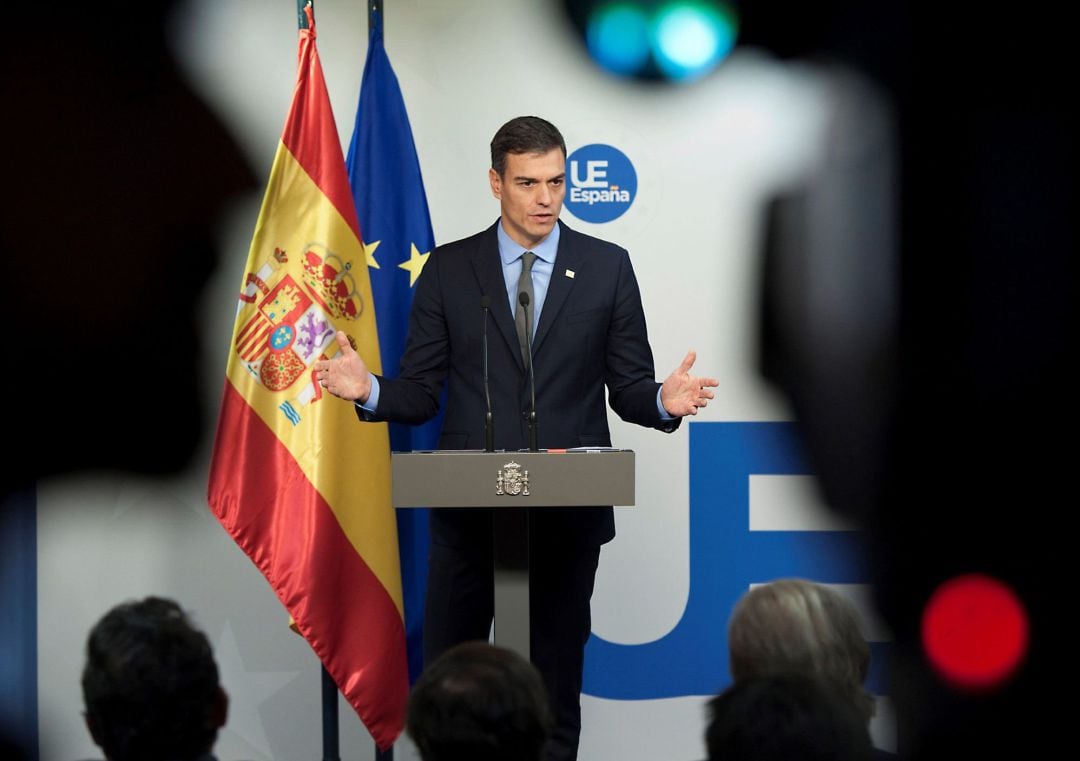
{"x":371,"y":403}
{"x":664,"y":414}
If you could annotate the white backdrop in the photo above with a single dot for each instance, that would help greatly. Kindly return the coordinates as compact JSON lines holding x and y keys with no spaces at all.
{"x":705,"y":155}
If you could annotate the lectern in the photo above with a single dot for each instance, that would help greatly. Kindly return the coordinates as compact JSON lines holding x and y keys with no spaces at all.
{"x":510,"y":482}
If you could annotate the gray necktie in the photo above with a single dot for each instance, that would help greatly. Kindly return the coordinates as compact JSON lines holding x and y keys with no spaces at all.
{"x":524,"y":284}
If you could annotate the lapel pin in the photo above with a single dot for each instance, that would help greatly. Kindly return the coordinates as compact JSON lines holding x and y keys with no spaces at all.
{"x":570,"y":274}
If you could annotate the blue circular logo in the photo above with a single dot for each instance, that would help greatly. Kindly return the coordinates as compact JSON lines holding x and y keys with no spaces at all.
{"x":601,"y":183}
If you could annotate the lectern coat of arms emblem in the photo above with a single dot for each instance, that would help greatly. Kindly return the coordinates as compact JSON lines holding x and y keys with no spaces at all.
{"x":512,"y":480}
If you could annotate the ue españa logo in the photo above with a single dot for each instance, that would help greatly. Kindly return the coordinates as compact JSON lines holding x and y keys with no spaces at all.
{"x":602,"y":183}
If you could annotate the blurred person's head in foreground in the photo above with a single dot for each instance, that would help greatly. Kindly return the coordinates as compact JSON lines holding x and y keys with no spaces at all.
{"x":781,"y":718}
{"x":150,"y":685}
{"x":479,"y":702}
{"x":794,"y":626}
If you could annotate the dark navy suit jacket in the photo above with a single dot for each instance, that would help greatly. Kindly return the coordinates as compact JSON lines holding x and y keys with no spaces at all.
{"x":591,"y":335}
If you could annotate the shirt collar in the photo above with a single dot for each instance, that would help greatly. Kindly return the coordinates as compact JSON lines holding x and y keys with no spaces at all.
{"x":510,"y":250}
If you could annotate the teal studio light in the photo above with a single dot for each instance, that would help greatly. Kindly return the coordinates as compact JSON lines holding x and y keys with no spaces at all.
{"x":617,"y":37}
{"x":672,"y":40}
{"x":689,"y":39}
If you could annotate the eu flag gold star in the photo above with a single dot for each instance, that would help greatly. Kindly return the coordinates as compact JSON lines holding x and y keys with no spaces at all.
{"x":369,"y":253}
{"x":415,"y":264}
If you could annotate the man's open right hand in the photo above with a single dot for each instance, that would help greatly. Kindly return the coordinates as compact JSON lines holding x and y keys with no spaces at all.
{"x":345,"y":376}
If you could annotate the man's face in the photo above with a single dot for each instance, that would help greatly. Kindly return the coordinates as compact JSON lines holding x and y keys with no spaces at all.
{"x":530,"y":193}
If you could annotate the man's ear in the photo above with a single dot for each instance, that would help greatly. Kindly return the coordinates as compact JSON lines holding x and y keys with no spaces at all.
{"x":496,"y":183}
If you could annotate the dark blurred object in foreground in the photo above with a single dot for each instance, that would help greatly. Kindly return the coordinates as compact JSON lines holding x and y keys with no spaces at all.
{"x":941,"y":427}
{"x":480,"y":702}
{"x":784,"y":717}
{"x":115,"y":174}
{"x":151,"y":686}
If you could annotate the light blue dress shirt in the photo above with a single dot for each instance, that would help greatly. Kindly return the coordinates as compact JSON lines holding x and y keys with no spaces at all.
{"x":510,"y":253}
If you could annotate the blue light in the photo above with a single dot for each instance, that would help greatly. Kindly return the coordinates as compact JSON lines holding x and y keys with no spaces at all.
{"x":618,"y":38}
{"x":691,"y":38}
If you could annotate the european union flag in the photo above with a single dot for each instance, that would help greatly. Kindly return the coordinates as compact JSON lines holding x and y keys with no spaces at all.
{"x":397,"y":238}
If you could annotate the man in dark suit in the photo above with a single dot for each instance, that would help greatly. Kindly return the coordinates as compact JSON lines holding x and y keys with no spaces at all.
{"x":585,"y":312}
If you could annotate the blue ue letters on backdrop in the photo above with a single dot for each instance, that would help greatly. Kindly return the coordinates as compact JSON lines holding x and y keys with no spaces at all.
{"x":725,"y":559}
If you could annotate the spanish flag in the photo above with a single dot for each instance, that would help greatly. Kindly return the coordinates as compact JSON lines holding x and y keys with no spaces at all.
{"x":298,"y":482}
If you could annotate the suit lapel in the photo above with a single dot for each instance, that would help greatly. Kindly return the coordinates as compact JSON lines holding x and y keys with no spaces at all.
{"x":567,"y":259}
{"x":488,"y":268}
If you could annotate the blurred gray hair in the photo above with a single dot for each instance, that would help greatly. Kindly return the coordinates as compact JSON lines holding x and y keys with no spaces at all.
{"x":794,"y":626}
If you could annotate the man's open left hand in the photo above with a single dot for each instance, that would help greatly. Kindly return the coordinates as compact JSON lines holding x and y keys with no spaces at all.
{"x":684,"y":394}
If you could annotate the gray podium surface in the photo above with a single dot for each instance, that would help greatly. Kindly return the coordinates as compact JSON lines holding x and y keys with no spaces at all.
{"x":555,"y":478}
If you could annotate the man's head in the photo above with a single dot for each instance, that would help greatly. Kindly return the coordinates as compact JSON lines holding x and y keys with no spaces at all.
{"x":480,"y":702}
{"x":528,"y":176}
{"x":151,"y":685}
{"x":525,"y":134}
{"x":785,"y":717}
{"x":793,"y":626}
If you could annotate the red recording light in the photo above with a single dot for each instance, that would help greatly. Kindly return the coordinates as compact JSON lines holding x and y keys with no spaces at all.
{"x":975,"y":632}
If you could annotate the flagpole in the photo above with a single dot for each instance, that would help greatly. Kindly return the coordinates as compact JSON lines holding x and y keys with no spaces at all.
{"x":331,"y":747}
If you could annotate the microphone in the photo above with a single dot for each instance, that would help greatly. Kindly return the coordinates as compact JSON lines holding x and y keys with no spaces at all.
{"x":523,"y":299}
{"x":489,"y":419}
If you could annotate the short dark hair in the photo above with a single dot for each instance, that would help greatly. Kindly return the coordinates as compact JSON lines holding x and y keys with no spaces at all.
{"x":785,"y":717}
{"x":479,"y":702}
{"x":525,"y":134}
{"x":150,"y":684}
